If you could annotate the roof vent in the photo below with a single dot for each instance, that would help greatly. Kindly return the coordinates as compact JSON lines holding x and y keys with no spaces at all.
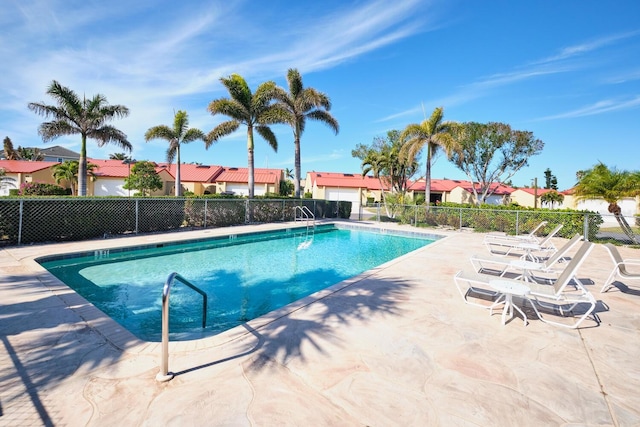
{"x":233,"y":169}
{"x":348,"y":174}
{"x":203,"y":166}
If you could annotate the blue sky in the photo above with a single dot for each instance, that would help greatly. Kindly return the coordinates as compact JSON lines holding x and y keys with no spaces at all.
{"x":568,"y":71}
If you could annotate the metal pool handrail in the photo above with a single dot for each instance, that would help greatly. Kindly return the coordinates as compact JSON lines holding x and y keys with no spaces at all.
{"x":164,"y":374}
{"x":305,"y":214}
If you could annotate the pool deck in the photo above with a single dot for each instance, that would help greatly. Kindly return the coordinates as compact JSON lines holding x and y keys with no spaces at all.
{"x":395,"y":346}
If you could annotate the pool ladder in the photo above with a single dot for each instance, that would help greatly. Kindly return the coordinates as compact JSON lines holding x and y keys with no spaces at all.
{"x":164,"y":374}
{"x":302,"y":213}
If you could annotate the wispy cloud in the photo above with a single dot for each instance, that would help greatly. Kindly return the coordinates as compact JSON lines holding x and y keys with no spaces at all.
{"x":155,"y":60}
{"x":600,"y":107}
{"x":581,"y":49}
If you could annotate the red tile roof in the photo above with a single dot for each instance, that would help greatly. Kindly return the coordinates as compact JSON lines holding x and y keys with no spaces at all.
{"x":193,"y":173}
{"x":241,"y":175}
{"x":110,"y":168}
{"x":344,"y":180}
{"x":439,"y":185}
{"x":21,"y":166}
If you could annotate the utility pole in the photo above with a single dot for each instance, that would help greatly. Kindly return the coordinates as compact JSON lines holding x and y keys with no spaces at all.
{"x":535,"y":193}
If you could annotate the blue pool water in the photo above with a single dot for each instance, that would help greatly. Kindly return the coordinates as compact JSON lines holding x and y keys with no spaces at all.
{"x":244,"y":276}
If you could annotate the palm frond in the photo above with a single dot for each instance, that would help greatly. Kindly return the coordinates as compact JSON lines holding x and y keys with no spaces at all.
{"x":160,"y":132}
{"x":110,"y":135}
{"x":223,"y":129}
{"x":238,"y":89}
{"x":268,"y":135}
{"x":231,"y":108}
{"x":326,"y":118}
{"x":192,"y":135}
{"x":52,"y":130}
{"x":294,"y":81}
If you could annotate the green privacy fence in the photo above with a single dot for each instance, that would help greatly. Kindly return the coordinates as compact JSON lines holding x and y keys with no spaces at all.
{"x":32,"y":220}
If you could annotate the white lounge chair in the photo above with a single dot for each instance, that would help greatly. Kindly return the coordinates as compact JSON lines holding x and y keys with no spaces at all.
{"x":531,"y":236}
{"x":501,"y":265}
{"x":620,"y":268}
{"x":504,"y":246}
{"x":549,"y":297}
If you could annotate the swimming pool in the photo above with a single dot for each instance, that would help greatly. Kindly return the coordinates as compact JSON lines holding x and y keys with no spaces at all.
{"x":244,"y":275}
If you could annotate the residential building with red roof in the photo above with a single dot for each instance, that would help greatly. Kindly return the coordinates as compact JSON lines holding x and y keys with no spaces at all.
{"x":18,"y":172}
{"x":236,"y":180}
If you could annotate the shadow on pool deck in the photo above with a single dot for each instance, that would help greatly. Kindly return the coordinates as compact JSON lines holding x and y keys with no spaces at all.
{"x":397,"y":347}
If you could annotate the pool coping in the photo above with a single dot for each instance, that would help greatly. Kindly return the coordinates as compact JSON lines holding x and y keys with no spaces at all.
{"x":122,"y":339}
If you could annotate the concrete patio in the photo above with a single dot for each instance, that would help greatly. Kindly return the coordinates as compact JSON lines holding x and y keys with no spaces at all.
{"x":395,"y":346}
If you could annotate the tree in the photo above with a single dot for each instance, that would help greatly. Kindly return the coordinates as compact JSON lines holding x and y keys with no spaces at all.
{"x":9,"y":152}
{"x":384,"y":161}
{"x":245,"y":108}
{"x":86,"y":117}
{"x":143,"y":178}
{"x":491,"y":153}
{"x":600,"y":182}
{"x":119,"y":156}
{"x":300,"y":104}
{"x":30,"y":154}
{"x":551,"y":182}
{"x":288,"y":173}
{"x":67,"y":171}
{"x":21,"y":153}
{"x":434,"y":134}
{"x":179,"y":134}
{"x":551,"y":198}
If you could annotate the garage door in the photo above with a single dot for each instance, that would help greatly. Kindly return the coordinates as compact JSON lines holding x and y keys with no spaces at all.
{"x":110,"y":187}
{"x":346,"y":195}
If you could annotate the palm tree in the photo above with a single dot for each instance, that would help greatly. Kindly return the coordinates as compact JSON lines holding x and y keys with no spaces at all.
{"x":119,"y":156}
{"x":376,"y":162}
{"x":432,"y":133}
{"x":600,"y":182}
{"x":68,"y":171}
{"x":300,"y":104}
{"x":180,"y":134}
{"x":86,"y":117}
{"x":254,"y":110}
{"x":9,"y":152}
{"x":288,"y":173}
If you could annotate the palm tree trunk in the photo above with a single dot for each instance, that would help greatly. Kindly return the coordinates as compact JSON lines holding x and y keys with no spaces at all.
{"x":296,"y":167}
{"x":82,"y":168}
{"x":178,"y":183}
{"x":250,"y":160}
{"x":427,"y":180}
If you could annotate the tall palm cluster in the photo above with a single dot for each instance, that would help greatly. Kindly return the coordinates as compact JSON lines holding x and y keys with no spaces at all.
{"x":268,"y":105}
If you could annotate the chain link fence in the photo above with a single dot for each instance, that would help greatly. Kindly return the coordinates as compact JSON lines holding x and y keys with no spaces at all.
{"x":24,"y":221}
{"x":594,"y":226}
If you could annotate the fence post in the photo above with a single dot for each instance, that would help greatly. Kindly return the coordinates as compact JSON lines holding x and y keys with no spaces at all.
{"x":378,"y":212}
{"x":415,"y":216}
{"x":585,"y":227}
{"x":205,"y":213}
{"x":20,"y":222}
{"x":517,"y":223}
{"x":137,"y":214}
{"x":460,"y":218}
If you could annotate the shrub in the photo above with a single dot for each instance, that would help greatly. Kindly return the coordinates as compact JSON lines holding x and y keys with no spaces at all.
{"x":42,"y":189}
